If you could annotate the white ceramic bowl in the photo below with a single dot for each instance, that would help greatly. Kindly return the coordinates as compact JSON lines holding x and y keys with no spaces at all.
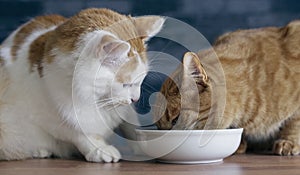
{"x":189,"y":146}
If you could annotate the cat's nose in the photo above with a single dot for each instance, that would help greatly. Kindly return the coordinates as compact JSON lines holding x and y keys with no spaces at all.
{"x":133,"y":100}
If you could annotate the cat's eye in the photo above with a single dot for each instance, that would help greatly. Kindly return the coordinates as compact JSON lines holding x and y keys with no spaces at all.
{"x":175,"y":93}
{"x":127,"y":85}
{"x":174,"y":121}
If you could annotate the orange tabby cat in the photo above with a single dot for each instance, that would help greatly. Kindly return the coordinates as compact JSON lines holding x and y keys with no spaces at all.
{"x":262,"y":74}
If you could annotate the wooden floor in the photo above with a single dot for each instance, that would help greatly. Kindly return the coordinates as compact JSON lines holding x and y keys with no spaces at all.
{"x":234,"y":165}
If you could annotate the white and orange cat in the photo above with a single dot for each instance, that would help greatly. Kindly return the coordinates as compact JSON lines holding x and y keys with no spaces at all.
{"x":262,"y":91}
{"x":61,"y":81}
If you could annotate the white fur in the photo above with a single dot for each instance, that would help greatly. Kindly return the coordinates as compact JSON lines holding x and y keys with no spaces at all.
{"x":57,"y":114}
{"x":24,"y":112}
{"x":5,"y":51}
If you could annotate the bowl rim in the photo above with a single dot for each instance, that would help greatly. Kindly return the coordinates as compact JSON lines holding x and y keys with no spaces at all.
{"x":213,"y":131}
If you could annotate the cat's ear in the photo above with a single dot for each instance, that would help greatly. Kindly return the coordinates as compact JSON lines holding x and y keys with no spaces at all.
{"x":113,"y":47}
{"x":112,"y":51}
{"x":193,"y":68}
{"x":148,"y":26}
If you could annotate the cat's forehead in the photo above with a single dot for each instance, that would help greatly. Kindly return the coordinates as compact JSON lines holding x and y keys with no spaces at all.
{"x":137,"y":46}
{"x":132,"y":71}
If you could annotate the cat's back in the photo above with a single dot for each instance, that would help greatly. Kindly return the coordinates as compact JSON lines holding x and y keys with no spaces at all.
{"x":291,"y":44}
{"x":271,"y":54}
{"x":29,"y":31}
{"x":260,"y":44}
{"x":259,"y":58}
{"x":262,"y":71}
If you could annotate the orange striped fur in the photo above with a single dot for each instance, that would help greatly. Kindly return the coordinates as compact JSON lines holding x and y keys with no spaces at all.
{"x":68,"y":34}
{"x":262,"y":71}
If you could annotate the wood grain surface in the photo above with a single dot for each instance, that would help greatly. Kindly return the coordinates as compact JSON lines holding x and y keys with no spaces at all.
{"x":234,"y":165}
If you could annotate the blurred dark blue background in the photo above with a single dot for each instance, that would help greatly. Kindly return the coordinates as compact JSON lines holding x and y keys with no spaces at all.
{"x":211,"y":17}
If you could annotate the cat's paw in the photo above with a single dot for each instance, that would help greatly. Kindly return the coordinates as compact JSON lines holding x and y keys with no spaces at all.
{"x":42,"y":153}
{"x":242,"y":148}
{"x":104,"y":154}
{"x":286,"y":148}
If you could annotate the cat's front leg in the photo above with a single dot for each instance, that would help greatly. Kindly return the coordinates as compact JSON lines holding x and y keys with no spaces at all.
{"x":286,"y":147}
{"x":289,"y":141}
{"x":95,"y":149}
{"x":243,"y":147}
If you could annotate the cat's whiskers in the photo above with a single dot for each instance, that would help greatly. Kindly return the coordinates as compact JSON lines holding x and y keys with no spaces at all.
{"x":113,"y":106}
{"x":106,"y":102}
{"x":101,"y":105}
{"x":117,"y":104}
{"x":105,"y":99}
{"x":113,"y":102}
